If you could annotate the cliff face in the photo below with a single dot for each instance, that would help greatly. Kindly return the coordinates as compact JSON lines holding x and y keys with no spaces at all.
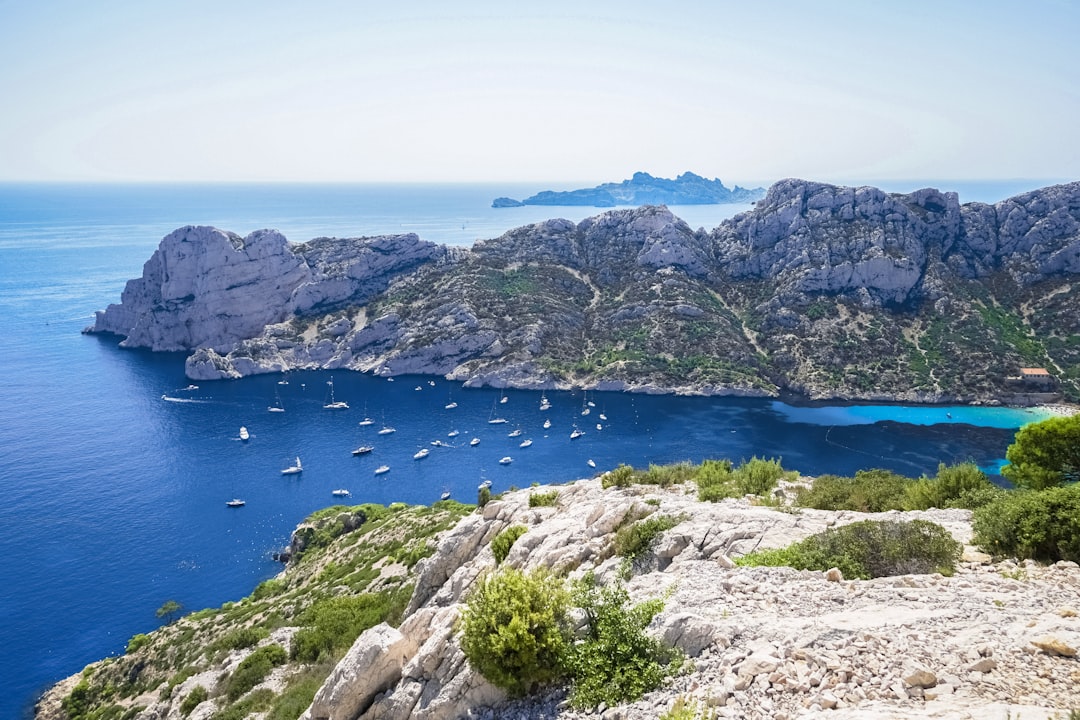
{"x":826,"y":291}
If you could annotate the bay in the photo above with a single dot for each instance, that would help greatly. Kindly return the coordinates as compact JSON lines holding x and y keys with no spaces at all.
{"x":115,"y":475}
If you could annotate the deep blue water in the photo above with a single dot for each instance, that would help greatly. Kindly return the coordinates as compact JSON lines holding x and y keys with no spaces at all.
{"x":115,"y":497}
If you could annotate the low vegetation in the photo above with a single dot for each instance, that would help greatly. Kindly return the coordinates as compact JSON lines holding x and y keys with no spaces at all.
{"x":1042,"y":525}
{"x":501,"y":544}
{"x":869,"y":549}
{"x":516,"y":632}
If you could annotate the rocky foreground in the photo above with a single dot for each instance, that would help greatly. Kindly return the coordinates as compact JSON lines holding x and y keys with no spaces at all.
{"x":820,"y":291}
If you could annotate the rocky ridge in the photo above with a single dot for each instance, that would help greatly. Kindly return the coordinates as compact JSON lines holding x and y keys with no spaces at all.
{"x":820,"y":291}
{"x":996,"y":640}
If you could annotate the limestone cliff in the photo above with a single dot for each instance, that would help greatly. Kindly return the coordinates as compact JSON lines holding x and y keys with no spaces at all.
{"x":823,"y":291}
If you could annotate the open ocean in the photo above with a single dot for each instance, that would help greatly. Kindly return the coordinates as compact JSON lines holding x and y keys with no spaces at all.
{"x":115,"y":475}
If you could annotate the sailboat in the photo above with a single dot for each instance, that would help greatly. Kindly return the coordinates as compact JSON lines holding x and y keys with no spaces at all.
{"x":493,"y":419}
{"x":276,"y":407}
{"x":332,"y":405}
{"x":294,"y":469}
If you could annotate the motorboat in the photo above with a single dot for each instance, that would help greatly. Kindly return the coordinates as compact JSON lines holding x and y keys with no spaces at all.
{"x":590,"y":463}
{"x":576,"y":434}
{"x":525,"y":443}
{"x":445,"y":495}
{"x":547,"y":424}
{"x":340,"y":492}
{"x":483,"y":484}
{"x":244,"y":434}
{"x":381,"y":469}
{"x":294,"y":469}
{"x":506,"y":460}
{"x":421,"y":454}
{"x":363,"y":450}
{"x":599,"y":426}
{"x":514,"y":433}
{"x":235,"y":502}
{"x":474,"y":442}
{"x":451,"y":406}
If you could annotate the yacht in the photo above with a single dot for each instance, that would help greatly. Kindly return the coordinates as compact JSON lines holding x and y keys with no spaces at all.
{"x":294,"y":469}
{"x":474,"y":442}
{"x":506,"y":460}
{"x":484,"y":484}
{"x":514,"y":433}
{"x":340,"y":492}
{"x":590,"y":463}
{"x":451,"y":406}
{"x":235,"y":502}
{"x":421,"y":454}
{"x":525,"y":443}
{"x":386,"y":430}
{"x":576,"y":434}
{"x":381,"y":469}
{"x":452,"y":433}
{"x":244,"y":434}
{"x":363,"y":450}
{"x":547,"y":424}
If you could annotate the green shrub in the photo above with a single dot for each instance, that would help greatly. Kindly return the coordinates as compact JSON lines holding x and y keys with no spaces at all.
{"x":617,"y":662}
{"x":268,"y":588}
{"x":198,"y":694}
{"x":501,"y":544}
{"x":954,"y":486}
{"x":868,"y":491}
{"x":239,"y":639}
{"x":634,"y":540}
{"x":1045,"y":454}
{"x":622,"y":476}
{"x":544,"y":499}
{"x":137,"y":641}
{"x":714,"y":481}
{"x":483,"y":496}
{"x":297,"y":696}
{"x":668,"y":475}
{"x":257,"y":701}
{"x":514,"y":629}
{"x":758,"y":476}
{"x":1041,"y":525}
{"x":869,"y":549}
{"x":253,"y":669}
{"x":332,"y":624}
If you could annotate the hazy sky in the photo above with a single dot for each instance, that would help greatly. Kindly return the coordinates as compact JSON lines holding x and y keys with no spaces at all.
{"x":401,"y":90}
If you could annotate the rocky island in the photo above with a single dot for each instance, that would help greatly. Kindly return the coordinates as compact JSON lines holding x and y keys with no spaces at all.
{"x":643,"y":189}
{"x":819,"y":292}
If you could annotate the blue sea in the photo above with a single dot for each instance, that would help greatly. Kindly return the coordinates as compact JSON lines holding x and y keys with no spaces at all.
{"x":115,"y":472}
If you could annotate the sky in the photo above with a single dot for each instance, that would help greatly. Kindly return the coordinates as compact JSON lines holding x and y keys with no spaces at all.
{"x":417,"y":91}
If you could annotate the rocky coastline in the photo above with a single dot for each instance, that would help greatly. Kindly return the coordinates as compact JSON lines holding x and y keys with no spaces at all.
{"x":999,"y":639}
{"x":820,"y":292}
{"x":643,"y":189}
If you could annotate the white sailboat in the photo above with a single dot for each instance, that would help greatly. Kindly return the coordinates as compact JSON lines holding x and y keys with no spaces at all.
{"x":277,"y":406}
{"x":295,"y":469}
{"x":493,"y":419}
{"x":332,"y":404}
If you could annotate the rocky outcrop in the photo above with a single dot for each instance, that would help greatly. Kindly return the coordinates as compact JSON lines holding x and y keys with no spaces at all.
{"x":205,"y":288}
{"x":762,"y":642}
{"x":643,"y":189}
{"x":820,"y":290}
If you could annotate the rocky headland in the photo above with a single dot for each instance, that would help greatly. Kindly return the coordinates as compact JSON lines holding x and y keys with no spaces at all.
{"x":820,"y":291}
{"x":996,"y":640}
{"x":643,"y":189}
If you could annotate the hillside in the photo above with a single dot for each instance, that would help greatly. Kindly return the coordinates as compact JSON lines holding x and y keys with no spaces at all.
{"x":995,"y":640}
{"x":821,"y":292}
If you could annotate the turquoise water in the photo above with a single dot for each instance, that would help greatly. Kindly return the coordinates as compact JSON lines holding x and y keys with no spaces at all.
{"x":115,"y":497}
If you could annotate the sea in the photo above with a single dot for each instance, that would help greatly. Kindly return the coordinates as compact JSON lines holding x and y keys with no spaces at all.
{"x":116,"y":469}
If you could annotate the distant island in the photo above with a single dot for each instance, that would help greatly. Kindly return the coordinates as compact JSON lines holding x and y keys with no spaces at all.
{"x":643,"y":189}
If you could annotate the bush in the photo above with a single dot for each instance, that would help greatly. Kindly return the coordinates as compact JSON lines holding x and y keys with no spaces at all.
{"x":483,"y":496}
{"x":617,"y":662}
{"x":668,"y":475}
{"x":544,"y":499}
{"x":253,"y":669}
{"x":501,"y":544}
{"x":514,"y":629}
{"x":137,"y":641}
{"x":758,"y":476}
{"x":714,"y":481}
{"x":622,"y":476}
{"x":954,"y":486}
{"x":239,"y":639}
{"x":869,"y":549}
{"x":868,"y":491}
{"x":632,"y":541}
{"x":332,"y":624}
{"x":1041,"y":525}
{"x":192,"y":700}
